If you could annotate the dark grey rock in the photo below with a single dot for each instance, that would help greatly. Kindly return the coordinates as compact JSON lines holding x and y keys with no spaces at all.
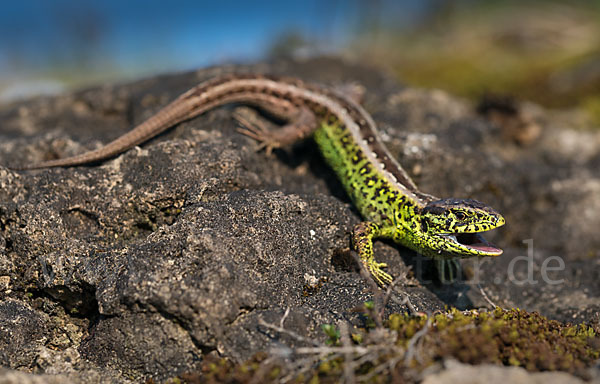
{"x":136,"y":267}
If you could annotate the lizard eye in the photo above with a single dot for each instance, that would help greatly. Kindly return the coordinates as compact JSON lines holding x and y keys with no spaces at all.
{"x":460,"y":216}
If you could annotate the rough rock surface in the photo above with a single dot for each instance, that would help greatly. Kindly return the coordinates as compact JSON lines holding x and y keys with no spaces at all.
{"x":136,"y":267}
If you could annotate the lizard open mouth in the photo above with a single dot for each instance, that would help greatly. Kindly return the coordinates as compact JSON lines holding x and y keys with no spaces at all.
{"x":474,"y":241}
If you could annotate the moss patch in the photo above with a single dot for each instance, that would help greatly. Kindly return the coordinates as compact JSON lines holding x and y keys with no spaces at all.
{"x":524,"y":49}
{"x":506,"y":337}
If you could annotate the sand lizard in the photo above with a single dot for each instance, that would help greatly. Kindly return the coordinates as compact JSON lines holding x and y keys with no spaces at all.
{"x":388,"y":200}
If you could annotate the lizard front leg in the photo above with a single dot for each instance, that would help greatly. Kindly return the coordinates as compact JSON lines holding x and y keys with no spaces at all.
{"x":362,"y":240}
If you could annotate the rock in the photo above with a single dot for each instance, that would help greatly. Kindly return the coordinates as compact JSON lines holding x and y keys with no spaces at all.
{"x":10,"y":376}
{"x":137,"y":267}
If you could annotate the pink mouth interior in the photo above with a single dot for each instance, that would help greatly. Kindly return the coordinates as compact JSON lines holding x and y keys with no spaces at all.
{"x":485,"y":248}
{"x":476,"y":241}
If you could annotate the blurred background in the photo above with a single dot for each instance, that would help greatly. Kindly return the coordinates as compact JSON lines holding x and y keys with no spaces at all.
{"x":544,"y":51}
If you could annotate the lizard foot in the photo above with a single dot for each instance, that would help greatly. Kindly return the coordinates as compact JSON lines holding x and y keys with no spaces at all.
{"x":380,"y":276}
{"x":256,"y":128}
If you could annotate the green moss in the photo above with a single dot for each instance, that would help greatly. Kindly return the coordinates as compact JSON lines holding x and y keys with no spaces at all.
{"x":333,"y":334}
{"x":469,"y":50}
{"x":506,"y":337}
{"x":592,"y":106}
{"x":511,"y":337}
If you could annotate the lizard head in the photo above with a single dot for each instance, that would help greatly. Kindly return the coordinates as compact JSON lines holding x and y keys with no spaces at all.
{"x":454,"y":225}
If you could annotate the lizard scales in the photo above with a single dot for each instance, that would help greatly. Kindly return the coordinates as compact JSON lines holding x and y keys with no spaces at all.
{"x":388,"y":200}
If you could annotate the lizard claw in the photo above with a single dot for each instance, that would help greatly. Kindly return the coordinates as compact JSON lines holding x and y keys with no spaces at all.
{"x":252,"y":127}
{"x":380,"y":276}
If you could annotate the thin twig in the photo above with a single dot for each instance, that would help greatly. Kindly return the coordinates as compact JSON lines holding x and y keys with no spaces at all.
{"x":300,"y":367}
{"x":485,"y":296}
{"x":286,"y":332}
{"x":411,"y":349}
{"x":411,"y":307}
{"x":326,"y":350}
{"x":406,"y":301}
{"x":389,"y":364}
{"x":353,"y":355}
{"x":389,"y":291}
{"x":349,"y":377}
{"x":374,"y":289}
{"x":263,"y":369}
{"x":285,"y":315}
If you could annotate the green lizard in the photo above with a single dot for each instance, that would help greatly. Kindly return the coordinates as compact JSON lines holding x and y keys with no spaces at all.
{"x":388,"y":200}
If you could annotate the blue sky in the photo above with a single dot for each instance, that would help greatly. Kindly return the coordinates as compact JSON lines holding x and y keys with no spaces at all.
{"x":148,"y":36}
